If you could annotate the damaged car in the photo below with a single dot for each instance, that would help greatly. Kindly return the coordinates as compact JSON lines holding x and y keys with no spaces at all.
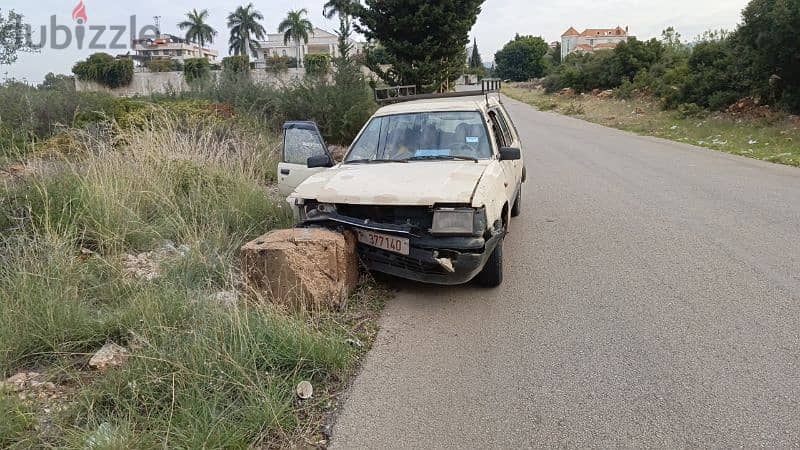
{"x":429,"y":186}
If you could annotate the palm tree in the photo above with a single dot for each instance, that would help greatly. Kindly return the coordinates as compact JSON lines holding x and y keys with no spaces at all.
{"x":295,"y":27}
{"x":344,"y":9}
{"x":245,"y":30}
{"x":198,"y":30}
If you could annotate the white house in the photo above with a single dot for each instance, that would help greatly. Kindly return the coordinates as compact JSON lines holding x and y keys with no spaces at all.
{"x":592,"y":39}
{"x":320,"y":42}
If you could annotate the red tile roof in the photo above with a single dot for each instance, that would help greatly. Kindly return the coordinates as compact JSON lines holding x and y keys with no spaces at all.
{"x":618,"y":31}
{"x":571,"y":32}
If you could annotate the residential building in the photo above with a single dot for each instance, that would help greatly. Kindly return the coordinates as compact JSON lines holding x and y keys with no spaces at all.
{"x":320,"y":42}
{"x":592,"y":39}
{"x":167,"y":46}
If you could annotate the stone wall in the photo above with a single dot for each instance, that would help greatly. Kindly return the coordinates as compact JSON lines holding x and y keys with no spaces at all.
{"x":148,"y":83}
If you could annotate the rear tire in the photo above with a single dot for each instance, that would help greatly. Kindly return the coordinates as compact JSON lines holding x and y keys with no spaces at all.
{"x":492,"y":273}
{"x":517,"y":208}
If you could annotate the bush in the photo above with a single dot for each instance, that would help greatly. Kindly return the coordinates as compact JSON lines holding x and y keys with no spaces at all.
{"x":31,"y":114}
{"x":318,"y":65}
{"x":686,"y":110}
{"x":104,"y":69}
{"x":236,"y":64}
{"x":164,"y":65}
{"x":196,"y":69}
{"x":278,"y":64}
{"x":340,"y":105}
{"x":625,"y":91}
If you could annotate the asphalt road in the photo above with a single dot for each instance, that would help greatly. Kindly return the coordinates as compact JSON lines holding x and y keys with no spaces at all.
{"x":651,"y":299}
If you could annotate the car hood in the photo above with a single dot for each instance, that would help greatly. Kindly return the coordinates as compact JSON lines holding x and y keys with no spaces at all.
{"x":413,"y":183}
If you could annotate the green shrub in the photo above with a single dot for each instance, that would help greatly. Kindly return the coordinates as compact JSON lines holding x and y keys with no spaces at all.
{"x":32,"y":114}
{"x":196,"y":69}
{"x":318,"y":65}
{"x":236,"y":64}
{"x":104,"y":69}
{"x":691,"y":110}
{"x":625,"y":91}
{"x":164,"y":65}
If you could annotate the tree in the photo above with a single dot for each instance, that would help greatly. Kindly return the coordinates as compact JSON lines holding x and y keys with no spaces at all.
{"x":425,"y":41}
{"x":245,"y":29}
{"x":475,"y":61}
{"x":197,"y":28}
{"x":14,"y":37}
{"x":631,"y":57}
{"x":295,"y":27}
{"x":344,"y":9}
{"x":768,"y":38}
{"x":557,"y":54}
{"x":521,"y":59}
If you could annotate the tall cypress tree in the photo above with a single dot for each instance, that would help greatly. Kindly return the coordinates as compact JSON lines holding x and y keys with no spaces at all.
{"x":425,"y":41}
{"x":475,"y":61}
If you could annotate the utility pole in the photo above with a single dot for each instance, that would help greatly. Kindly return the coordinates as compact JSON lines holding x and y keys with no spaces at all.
{"x":157,"y":21}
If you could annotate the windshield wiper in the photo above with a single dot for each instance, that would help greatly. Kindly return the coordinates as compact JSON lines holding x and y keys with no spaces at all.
{"x":443,"y":157}
{"x":370,"y":161}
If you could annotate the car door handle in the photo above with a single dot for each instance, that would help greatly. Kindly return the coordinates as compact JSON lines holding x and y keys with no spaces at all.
{"x":285,"y":171}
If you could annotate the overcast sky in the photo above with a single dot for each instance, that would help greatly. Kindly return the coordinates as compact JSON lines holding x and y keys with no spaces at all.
{"x":498,"y":23}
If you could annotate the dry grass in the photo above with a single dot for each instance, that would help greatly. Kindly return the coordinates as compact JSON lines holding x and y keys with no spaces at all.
{"x":775,"y":138}
{"x":203,"y":374}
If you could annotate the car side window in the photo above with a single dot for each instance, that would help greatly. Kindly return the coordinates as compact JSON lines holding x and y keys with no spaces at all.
{"x":506,"y":126}
{"x":300,"y":144}
{"x":499,"y":136}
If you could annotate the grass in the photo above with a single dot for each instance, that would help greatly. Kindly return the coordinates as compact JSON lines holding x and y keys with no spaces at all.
{"x":775,"y":138}
{"x":202,"y":374}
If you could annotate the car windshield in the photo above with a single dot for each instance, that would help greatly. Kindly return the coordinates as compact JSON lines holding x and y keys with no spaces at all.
{"x":422,"y":136}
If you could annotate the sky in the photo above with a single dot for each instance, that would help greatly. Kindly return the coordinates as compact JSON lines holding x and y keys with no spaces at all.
{"x":499,"y":21}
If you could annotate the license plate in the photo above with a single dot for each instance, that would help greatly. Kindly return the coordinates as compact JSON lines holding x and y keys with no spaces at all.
{"x":384,"y":241}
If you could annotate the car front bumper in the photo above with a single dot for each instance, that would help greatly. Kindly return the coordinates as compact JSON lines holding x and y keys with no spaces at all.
{"x":424,"y":263}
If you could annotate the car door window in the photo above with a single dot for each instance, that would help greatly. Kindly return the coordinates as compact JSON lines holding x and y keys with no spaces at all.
{"x":499,"y":135}
{"x":299,"y":144}
{"x":507,"y":133}
{"x":512,"y":128}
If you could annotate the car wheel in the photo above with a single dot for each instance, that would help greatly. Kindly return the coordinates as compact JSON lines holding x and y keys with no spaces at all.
{"x":492,"y":273}
{"x":517,"y":208}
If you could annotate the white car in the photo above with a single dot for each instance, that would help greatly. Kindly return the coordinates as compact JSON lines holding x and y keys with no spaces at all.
{"x":429,"y":186}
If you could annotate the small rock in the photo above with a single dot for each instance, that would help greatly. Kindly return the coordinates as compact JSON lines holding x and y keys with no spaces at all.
{"x":111,"y":355}
{"x":305,"y":390}
{"x":22,"y":381}
{"x":354,"y":343}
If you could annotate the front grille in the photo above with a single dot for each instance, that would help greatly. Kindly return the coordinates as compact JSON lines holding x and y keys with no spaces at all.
{"x":377,"y":255}
{"x":419,"y":217}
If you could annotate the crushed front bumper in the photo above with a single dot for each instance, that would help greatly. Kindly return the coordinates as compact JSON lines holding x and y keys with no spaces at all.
{"x":467,"y":255}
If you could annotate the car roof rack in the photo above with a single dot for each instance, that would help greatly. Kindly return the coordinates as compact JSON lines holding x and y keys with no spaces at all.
{"x":399,"y":94}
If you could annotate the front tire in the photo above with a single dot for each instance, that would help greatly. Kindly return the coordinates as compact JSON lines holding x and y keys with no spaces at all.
{"x":492,"y":273}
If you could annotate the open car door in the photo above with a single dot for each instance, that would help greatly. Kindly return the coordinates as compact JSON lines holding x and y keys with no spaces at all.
{"x":304,"y":154}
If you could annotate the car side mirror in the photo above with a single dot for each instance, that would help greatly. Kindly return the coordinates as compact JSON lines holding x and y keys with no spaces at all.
{"x":510,"y":154}
{"x":319,"y":161}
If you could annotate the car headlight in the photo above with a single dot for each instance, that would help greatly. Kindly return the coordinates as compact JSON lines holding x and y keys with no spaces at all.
{"x":312,"y":210}
{"x":454,"y":221}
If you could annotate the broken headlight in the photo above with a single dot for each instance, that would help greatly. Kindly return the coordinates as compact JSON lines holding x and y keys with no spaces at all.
{"x":457,"y":221}
{"x":311,"y":210}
